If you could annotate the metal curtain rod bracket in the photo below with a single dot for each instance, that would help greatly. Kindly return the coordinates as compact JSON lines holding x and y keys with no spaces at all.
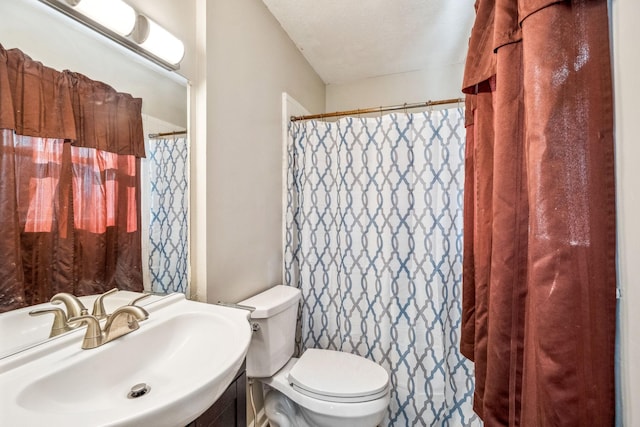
{"x":158,"y":135}
{"x":377,"y":109}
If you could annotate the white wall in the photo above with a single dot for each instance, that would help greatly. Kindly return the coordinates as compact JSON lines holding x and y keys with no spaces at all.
{"x":250,"y":61}
{"x":62,"y":43}
{"x":626,"y":34}
{"x":396,"y":89}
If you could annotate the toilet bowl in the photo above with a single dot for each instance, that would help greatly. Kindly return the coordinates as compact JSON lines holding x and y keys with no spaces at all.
{"x":322,"y":388}
{"x":288,"y":406}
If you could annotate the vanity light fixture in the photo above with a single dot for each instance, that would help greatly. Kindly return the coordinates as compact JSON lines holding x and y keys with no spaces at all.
{"x":160,"y":42}
{"x":113,"y":14}
{"x":121,"y":23}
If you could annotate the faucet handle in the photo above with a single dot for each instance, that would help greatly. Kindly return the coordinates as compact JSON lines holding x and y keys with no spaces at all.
{"x":93,"y":337}
{"x":60,"y":324}
{"x":141,"y":297}
{"x":99,"y":311}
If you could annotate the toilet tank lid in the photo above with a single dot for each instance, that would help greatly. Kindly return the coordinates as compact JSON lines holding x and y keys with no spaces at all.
{"x":272,"y":301}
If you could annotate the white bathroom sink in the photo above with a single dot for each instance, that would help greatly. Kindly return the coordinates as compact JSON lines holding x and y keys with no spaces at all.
{"x":19,"y":330}
{"x":187,"y":353}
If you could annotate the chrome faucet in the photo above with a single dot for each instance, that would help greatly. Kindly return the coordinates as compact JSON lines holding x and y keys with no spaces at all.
{"x":121,"y":322}
{"x":73,"y":305}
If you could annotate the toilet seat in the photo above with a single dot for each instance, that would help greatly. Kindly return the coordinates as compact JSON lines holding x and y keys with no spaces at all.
{"x":336,"y":376}
{"x":347,"y":410}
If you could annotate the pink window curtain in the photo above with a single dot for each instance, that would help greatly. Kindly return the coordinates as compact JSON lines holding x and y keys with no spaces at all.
{"x":539,"y":262}
{"x":69,"y":184}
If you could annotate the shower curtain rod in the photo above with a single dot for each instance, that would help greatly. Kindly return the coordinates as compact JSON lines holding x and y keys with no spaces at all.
{"x":158,"y":135}
{"x":377,"y":109}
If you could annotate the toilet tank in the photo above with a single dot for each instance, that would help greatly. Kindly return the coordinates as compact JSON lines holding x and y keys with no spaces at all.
{"x":273,"y":342}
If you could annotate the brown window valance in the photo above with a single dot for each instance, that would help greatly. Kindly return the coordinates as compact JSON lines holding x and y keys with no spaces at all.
{"x":70,"y":151}
{"x":88,"y":113}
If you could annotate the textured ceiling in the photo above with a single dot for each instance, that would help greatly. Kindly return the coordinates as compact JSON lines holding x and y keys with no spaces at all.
{"x":349,"y":40}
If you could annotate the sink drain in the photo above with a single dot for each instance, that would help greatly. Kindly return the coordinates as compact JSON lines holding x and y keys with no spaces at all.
{"x":139,"y":390}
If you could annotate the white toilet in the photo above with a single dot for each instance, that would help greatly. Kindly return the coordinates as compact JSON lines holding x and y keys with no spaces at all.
{"x":323,"y":388}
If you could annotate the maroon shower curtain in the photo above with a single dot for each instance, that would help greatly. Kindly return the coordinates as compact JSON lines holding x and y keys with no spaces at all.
{"x":70,"y":151}
{"x":539,"y":252}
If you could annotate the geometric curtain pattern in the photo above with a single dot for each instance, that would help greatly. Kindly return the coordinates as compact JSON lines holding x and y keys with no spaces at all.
{"x":373,"y":238}
{"x":169,"y":221}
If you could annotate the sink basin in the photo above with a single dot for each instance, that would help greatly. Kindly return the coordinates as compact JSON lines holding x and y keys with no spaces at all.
{"x":19,"y":330}
{"x":187,"y":353}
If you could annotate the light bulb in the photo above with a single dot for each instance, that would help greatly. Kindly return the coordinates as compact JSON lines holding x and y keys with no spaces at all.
{"x":158,"y":41}
{"x":115,"y":15}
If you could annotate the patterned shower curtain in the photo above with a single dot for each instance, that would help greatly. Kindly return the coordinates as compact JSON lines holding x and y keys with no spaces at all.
{"x":169,"y":220}
{"x":373,"y":238}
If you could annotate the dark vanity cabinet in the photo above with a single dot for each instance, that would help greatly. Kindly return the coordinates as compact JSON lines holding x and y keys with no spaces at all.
{"x":230,"y":409}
